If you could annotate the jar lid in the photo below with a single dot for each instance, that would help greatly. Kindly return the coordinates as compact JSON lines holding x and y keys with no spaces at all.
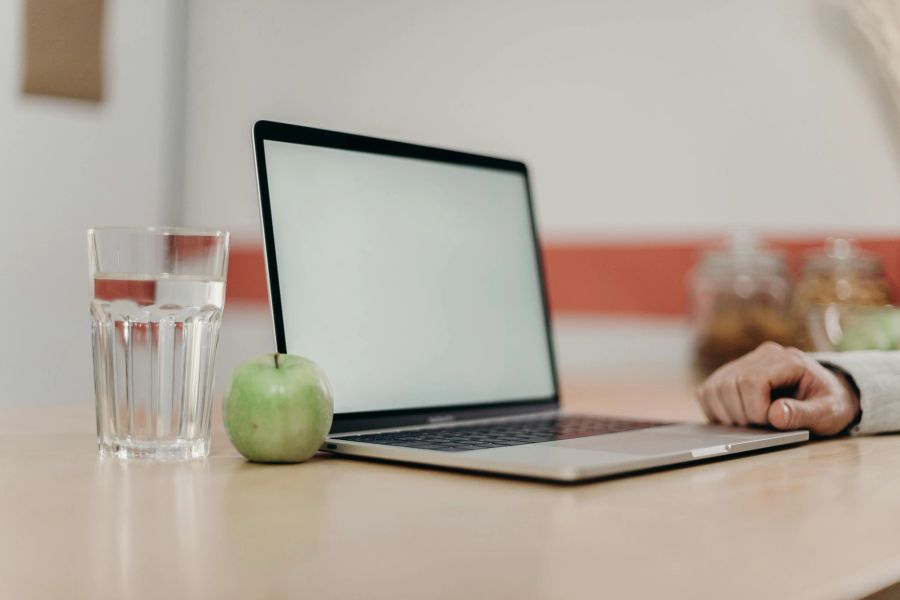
{"x":744,"y":255}
{"x":843,"y":256}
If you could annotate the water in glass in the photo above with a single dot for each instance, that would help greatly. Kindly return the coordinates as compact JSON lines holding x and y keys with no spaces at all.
{"x":154,"y":338}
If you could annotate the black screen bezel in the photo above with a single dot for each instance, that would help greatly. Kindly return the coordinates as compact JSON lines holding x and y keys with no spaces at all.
{"x":382,"y":419}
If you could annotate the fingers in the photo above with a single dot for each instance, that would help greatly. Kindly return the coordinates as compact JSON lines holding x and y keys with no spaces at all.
{"x":721,"y":402}
{"x":740,"y":392}
{"x":720,"y":415}
{"x":704,"y":405}
{"x":824,"y":415}
{"x":789,"y":413}
{"x":755,"y":398}
{"x":780,"y":367}
{"x":731,"y":400}
{"x":710,"y":402}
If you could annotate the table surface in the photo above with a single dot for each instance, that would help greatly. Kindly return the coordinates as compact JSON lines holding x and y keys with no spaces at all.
{"x":819,"y":520}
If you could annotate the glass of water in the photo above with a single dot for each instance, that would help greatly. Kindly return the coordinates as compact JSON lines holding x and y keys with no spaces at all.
{"x":156,"y":305}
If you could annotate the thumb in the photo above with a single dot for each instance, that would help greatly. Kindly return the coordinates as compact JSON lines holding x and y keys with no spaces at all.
{"x":790,"y":413}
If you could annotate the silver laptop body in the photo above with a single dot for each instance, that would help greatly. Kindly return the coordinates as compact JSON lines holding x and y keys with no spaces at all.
{"x":412,"y":275}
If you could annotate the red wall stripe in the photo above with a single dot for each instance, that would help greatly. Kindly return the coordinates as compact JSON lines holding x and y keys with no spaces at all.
{"x":598,"y":278}
{"x":246,"y":275}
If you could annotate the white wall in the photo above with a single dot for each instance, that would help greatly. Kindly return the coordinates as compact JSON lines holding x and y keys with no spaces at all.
{"x":637,"y":116}
{"x":66,"y":165}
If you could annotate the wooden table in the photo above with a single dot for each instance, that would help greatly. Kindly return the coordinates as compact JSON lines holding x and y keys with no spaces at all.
{"x":816,"y":521}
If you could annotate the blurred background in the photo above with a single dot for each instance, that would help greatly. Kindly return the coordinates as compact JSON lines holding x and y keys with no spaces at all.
{"x":689,"y":159}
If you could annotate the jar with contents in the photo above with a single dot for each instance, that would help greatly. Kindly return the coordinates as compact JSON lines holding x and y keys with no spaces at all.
{"x":741,"y":298}
{"x":841,"y":276}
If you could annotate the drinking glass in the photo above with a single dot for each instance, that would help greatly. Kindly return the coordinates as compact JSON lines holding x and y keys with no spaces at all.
{"x":156,"y":305}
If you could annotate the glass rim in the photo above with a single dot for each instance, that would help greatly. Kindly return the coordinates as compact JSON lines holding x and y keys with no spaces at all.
{"x":162,"y":230}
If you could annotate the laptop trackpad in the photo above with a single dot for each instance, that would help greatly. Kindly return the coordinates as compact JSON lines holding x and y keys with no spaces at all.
{"x":657,"y":440}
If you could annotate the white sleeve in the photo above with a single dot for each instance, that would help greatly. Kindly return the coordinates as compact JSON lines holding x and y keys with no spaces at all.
{"x":877,"y":376}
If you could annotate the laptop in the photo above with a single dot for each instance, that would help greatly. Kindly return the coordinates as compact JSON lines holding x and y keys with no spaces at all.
{"x":412,"y":276}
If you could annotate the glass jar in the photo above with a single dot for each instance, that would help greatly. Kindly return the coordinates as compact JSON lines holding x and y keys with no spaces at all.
{"x":741,"y":298}
{"x":840,"y":276}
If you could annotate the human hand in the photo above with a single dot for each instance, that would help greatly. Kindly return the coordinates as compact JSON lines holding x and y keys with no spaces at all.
{"x":782,"y":387}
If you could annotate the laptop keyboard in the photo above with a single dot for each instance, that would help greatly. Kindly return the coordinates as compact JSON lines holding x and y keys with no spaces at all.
{"x":462,"y":438}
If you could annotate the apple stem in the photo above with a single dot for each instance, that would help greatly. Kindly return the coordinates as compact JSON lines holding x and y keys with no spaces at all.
{"x":276,"y":360}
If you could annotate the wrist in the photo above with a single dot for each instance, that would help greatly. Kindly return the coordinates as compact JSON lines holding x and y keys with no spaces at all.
{"x":852,"y":391}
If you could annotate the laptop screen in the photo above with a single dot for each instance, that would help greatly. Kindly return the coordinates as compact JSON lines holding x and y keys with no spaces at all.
{"x":413,"y":283}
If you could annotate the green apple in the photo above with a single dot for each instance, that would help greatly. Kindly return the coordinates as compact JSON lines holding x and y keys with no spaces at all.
{"x":891,"y":322}
{"x":278,"y":408}
{"x":864,"y":336}
{"x":869,"y":331}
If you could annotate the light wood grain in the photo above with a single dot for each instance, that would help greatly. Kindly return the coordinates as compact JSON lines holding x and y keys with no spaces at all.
{"x":816,"y":521}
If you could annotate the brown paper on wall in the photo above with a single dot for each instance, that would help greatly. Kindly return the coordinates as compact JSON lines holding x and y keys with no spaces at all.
{"x":63,"y":48}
